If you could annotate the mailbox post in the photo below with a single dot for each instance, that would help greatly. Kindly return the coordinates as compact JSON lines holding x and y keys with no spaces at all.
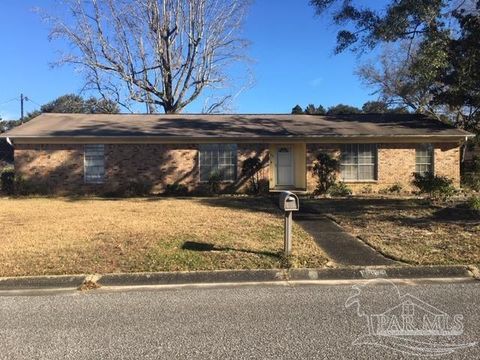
{"x":288,"y":202}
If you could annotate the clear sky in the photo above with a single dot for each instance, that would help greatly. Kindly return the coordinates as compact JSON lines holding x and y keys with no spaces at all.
{"x":292,"y":51}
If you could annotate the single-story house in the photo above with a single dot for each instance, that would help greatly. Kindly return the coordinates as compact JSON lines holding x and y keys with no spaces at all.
{"x":84,"y":152}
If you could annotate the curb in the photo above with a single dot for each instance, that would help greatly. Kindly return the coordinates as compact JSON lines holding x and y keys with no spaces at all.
{"x":42,"y":282}
{"x":90,"y":282}
{"x":193,"y":277}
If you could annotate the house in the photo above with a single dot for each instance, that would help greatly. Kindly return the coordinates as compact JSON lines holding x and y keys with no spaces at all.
{"x":6,"y":154}
{"x":85,"y":152}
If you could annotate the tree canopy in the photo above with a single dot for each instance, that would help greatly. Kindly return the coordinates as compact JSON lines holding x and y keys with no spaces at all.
{"x":297,"y":109}
{"x":370,"y":107}
{"x":382,"y":107}
{"x":431,"y":53}
{"x":311,"y":109}
{"x":342,"y":109}
{"x":71,"y":103}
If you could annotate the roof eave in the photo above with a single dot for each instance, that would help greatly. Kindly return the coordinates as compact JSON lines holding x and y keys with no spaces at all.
{"x":252,"y":139}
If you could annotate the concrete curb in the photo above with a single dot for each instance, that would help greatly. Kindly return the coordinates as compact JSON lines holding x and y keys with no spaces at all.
{"x":194,"y":277}
{"x":42,"y":282}
{"x":381,"y":272}
{"x":231,"y":276}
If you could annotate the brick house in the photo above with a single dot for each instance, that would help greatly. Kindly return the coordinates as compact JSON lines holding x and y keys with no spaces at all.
{"x":73,"y":153}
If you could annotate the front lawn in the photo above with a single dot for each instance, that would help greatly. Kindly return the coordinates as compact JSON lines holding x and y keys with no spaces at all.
{"x":410,"y":230}
{"x":66,"y":236}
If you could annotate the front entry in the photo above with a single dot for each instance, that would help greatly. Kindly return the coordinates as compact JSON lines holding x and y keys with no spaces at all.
{"x":285,"y":166}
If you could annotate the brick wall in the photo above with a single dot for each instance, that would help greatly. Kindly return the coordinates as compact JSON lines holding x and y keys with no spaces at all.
{"x":158,"y":164}
{"x":60,"y":167}
{"x":447,"y":161}
{"x":55,"y":167}
{"x":396,"y":163}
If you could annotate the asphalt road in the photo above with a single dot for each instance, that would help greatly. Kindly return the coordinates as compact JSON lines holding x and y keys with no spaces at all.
{"x":246,"y":322}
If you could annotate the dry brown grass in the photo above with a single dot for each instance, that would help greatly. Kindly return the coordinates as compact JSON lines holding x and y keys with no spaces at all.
{"x":62,"y":236}
{"x":410,"y":230}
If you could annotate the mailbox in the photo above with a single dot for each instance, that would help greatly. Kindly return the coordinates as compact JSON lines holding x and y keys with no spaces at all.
{"x":288,"y":201}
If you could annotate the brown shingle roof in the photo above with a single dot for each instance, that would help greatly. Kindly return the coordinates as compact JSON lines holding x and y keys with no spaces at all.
{"x":232,"y":126}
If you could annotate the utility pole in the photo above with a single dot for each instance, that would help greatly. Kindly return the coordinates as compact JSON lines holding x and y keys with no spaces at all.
{"x":22,"y":99}
{"x":21,"y":108}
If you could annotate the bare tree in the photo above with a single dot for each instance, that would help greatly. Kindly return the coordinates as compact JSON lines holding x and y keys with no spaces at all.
{"x":392,"y":79}
{"x":163,"y":53}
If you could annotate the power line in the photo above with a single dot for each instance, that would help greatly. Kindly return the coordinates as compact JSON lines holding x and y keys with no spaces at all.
{"x":30,"y":99}
{"x":6,"y":102}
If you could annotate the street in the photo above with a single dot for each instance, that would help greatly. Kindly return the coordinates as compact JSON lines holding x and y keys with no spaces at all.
{"x":244,"y":322}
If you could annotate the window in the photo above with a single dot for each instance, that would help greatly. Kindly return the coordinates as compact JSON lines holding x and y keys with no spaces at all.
{"x":94,"y":164}
{"x":218,"y":159}
{"x":358,"y":162}
{"x":424,"y":159}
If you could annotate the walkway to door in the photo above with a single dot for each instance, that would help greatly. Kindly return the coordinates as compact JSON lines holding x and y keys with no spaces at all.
{"x":341,"y":247}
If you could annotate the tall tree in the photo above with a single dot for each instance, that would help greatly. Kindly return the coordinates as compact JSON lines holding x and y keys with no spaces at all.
{"x":363,"y":27}
{"x":164,"y":53}
{"x":436,"y":44}
{"x":394,"y":81}
{"x":458,"y":84}
{"x":297,"y":110}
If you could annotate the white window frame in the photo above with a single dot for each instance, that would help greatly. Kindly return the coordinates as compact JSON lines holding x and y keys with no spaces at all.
{"x":358,"y":162}
{"x":428,"y":161}
{"x":215,"y":161}
{"x":94,"y":158}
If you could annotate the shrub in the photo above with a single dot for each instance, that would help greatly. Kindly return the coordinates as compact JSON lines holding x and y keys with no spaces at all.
{"x":31,"y":187}
{"x":138,"y":188}
{"x":7,"y":181}
{"x":340,"y":189}
{"x":471,"y":174}
{"x":214,"y":183}
{"x":250,"y":169}
{"x":176,"y":189}
{"x":395,"y":188}
{"x":474,"y":203}
{"x":367,"y":189}
{"x":471,"y":181}
{"x":130,"y":189}
{"x":325,"y":170}
{"x":437,"y":187}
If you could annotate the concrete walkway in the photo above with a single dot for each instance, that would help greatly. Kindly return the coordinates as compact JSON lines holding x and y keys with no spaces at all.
{"x":341,"y":247}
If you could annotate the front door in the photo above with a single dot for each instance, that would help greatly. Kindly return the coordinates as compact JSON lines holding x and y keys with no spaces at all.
{"x":285,"y":166}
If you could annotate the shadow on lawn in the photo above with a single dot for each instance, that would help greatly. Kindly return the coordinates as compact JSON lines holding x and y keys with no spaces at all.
{"x":405,"y":212}
{"x":265,"y":204}
{"x":448,"y":215}
{"x":359,"y":205}
{"x":207,"y":247}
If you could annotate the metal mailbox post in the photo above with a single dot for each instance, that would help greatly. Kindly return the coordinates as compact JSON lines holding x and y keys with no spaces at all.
{"x":288,"y":202}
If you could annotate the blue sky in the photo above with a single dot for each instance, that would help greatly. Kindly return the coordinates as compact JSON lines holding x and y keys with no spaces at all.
{"x":292,"y":50}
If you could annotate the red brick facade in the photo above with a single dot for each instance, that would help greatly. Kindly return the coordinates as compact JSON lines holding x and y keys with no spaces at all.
{"x":61,"y":167}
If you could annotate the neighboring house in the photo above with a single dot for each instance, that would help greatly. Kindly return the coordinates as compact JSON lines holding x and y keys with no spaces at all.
{"x":79,"y":152}
{"x":6,"y":154}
